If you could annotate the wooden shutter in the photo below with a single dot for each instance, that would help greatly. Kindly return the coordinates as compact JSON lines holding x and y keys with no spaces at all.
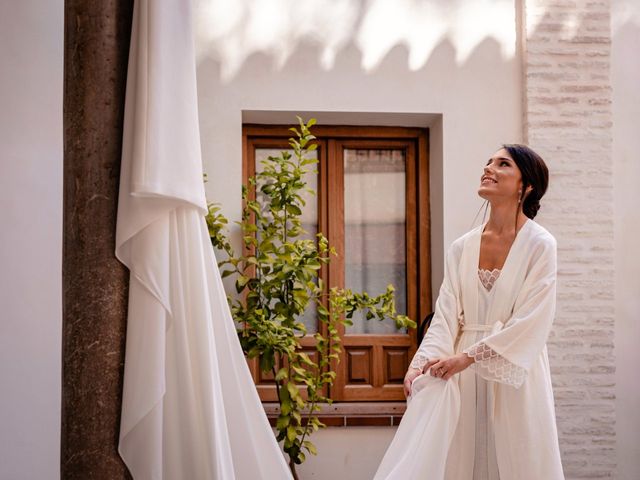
{"x":372,"y":366}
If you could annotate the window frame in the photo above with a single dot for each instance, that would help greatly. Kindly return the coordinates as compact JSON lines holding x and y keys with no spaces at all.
{"x":385,"y":400}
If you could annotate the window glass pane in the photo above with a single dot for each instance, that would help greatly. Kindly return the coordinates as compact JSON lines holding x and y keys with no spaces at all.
{"x":375,"y":233}
{"x":309,"y":217}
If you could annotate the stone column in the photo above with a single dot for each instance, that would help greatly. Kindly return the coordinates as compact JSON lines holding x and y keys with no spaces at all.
{"x":95,"y":284}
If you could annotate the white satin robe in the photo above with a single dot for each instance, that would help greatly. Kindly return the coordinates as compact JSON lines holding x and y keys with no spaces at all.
{"x":435,"y":439}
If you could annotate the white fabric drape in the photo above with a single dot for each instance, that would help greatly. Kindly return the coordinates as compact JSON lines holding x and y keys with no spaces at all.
{"x":419,"y":449}
{"x":190,"y":409}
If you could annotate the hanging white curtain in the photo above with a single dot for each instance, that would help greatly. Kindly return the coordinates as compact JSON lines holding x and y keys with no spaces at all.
{"x":190,"y":409}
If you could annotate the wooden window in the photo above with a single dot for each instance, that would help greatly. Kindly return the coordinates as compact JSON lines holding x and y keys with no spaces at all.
{"x":372,"y":203}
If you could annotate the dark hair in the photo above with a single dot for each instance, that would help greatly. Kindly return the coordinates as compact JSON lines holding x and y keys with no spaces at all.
{"x":534,"y":172}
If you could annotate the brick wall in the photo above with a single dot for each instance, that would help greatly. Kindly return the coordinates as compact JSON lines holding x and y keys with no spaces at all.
{"x":567,"y":119}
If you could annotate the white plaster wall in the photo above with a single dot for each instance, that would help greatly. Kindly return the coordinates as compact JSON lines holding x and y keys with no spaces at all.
{"x":347,"y":453}
{"x":473,"y":105}
{"x":479,"y":102}
{"x":625,"y":76}
{"x":31,"y":54}
{"x":477,"y":96}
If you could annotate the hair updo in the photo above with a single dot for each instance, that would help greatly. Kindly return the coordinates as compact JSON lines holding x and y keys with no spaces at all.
{"x":534,"y":172}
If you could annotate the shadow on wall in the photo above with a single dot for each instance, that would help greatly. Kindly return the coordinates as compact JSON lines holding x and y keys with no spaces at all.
{"x":230,"y":31}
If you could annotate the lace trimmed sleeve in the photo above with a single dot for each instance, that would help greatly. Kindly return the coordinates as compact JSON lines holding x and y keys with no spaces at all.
{"x":419,"y":361}
{"x":492,"y":366}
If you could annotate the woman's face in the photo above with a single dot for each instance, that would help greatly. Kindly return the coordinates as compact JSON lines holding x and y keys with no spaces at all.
{"x":501,"y":179}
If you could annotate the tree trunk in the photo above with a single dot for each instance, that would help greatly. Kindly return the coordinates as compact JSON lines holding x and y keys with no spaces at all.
{"x":292,"y":467}
{"x":95,"y":284}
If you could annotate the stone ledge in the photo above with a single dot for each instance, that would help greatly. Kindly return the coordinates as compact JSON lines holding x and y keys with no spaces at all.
{"x":351,"y":414}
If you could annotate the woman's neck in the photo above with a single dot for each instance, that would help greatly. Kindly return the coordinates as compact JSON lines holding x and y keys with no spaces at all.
{"x":502,"y":220}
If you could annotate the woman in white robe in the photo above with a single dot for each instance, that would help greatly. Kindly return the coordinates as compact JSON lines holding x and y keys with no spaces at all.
{"x":495,"y":420}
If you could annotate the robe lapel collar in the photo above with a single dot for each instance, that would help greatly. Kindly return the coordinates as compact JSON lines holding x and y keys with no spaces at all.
{"x":511,"y":277}
{"x":469,"y":272}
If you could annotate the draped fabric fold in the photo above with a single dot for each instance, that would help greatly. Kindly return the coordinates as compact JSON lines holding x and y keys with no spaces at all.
{"x":423,"y":448}
{"x":190,"y":409}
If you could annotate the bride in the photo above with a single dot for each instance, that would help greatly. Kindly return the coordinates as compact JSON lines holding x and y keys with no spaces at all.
{"x":479,"y":388}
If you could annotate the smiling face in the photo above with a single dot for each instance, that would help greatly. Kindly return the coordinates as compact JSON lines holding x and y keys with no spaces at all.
{"x":501,"y":179}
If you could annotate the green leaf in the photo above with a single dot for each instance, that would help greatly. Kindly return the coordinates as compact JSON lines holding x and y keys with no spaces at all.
{"x":241,"y":282}
{"x":311,"y":448}
{"x":293,"y":390}
{"x":293,"y":209}
{"x":226,"y":273}
{"x":266,"y":362}
{"x":306,"y":360}
{"x":297,"y":417}
{"x":282,"y":375}
{"x":283,"y":422}
{"x":298,"y":370}
{"x":285,"y":405}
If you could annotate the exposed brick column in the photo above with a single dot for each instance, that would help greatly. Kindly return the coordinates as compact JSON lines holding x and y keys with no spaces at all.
{"x":95,"y":284}
{"x":568,"y":120}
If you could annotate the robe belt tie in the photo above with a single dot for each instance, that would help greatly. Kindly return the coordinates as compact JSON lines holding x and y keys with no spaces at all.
{"x":476,"y":328}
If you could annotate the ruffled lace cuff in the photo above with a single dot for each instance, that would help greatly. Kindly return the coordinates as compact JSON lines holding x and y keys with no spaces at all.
{"x":419,"y":361}
{"x":492,"y":366}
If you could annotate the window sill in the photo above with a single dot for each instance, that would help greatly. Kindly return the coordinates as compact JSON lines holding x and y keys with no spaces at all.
{"x":351,"y":414}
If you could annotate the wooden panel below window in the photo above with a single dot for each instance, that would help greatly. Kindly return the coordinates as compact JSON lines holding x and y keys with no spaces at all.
{"x":359,"y":366}
{"x":396,"y":363}
{"x":266,"y":377}
{"x":372,"y":368}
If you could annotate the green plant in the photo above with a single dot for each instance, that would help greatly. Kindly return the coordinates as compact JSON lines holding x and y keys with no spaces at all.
{"x":277,"y":278}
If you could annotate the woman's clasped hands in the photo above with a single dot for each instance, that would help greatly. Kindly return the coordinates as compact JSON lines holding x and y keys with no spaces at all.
{"x":446,"y":367}
{"x":443,"y":368}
